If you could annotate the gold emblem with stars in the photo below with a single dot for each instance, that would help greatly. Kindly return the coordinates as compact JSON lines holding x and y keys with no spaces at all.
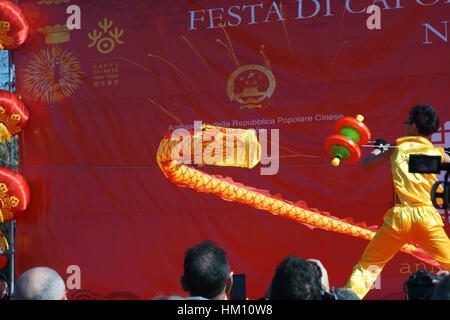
{"x":249,"y":85}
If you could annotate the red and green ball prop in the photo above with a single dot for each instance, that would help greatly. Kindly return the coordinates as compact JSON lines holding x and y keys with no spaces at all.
{"x":344,"y":146}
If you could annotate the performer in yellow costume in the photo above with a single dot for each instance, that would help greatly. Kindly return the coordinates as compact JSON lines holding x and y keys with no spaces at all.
{"x":413,"y":217}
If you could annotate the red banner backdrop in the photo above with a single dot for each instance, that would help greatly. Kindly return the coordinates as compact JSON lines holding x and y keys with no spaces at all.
{"x":101,"y":98}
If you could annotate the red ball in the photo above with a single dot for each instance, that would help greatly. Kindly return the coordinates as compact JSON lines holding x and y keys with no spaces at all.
{"x":350,"y":145}
{"x":362,"y":129}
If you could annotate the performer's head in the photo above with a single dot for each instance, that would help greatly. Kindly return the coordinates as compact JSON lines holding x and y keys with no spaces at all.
{"x":423,"y":121}
{"x":206,"y":272}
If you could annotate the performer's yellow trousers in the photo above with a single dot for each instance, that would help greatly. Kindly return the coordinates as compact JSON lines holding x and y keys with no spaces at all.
{"x":421,"y":224}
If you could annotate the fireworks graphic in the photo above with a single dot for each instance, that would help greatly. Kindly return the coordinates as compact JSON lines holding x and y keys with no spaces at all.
{"x":52,"y":75}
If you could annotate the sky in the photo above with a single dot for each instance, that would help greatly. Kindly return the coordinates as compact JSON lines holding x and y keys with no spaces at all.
{"x":4,"y":70}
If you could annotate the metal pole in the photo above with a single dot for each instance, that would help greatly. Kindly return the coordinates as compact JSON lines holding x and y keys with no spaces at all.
{"x":10,"y":71}
{"x":12,"y":224}
{"x":12,"y":253}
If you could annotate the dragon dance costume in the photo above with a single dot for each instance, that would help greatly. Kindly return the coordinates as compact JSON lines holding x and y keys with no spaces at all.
{"x":413,"y":218}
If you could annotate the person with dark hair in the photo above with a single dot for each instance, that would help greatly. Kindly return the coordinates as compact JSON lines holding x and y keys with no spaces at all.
{"x":206,"y":272}
{"x":325,"y":291}
{"x":442,"y":291}
{"x":424,"y":118}
{"x":420,"y":285}
{"x":413,"y":217}
{"x":295,"y":279}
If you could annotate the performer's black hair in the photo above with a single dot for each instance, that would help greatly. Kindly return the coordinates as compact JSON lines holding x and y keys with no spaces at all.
{"x":425,"y":118}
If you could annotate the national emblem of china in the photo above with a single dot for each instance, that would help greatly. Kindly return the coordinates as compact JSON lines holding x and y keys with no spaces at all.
{"x":250,"y":85}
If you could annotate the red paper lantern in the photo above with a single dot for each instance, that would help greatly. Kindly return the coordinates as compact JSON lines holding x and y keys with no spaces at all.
{"x":14,"y":194}
{"x":14,"y":27}
{"x":13,"y":115}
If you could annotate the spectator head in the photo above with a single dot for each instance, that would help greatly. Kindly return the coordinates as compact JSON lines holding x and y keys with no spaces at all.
{"x":420,"y":285}
{"x":206,"y":272}
{"x":40,"y":283}
{"x":442,"y":291}
{"x":423,"y":120}
{"x":295,"y":279}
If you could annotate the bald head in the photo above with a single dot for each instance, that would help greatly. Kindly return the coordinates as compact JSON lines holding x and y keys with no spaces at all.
{"x":39,"y":283}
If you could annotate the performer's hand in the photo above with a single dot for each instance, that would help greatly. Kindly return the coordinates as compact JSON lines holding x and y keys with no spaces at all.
{"x":380,"y":144}
{"x":381,"y":153}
